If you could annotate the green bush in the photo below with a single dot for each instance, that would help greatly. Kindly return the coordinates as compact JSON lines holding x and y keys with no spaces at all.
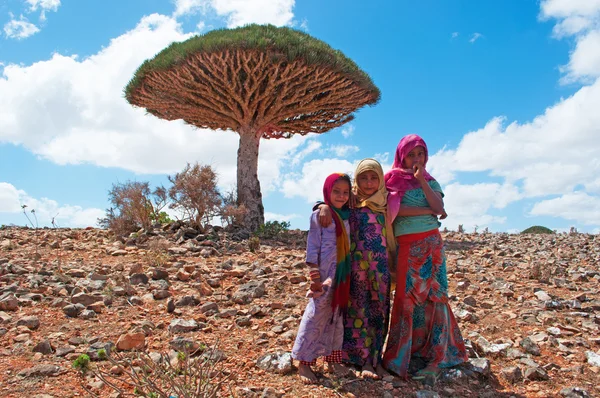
{"x":82,"y":363}
{"x":537,"y":229}
{"x":271,"y":229}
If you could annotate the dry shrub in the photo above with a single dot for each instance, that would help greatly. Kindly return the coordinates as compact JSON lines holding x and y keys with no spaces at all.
{"x":135,"y":206}
{"x":194,"y":193}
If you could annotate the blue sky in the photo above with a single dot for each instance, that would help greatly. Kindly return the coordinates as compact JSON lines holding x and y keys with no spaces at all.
{"x":505,"y":94}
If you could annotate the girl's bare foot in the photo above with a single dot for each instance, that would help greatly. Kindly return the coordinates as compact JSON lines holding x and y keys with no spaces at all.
{"x":306,"y":374}
{"x":368,"y":372}
{"x":338,"y":369}
{"x":381,"y":372}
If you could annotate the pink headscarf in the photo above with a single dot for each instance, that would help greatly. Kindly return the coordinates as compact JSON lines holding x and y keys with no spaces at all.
{"x":399,"y":179}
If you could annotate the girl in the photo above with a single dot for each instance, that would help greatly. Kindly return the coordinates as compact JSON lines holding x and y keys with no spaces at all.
{"x":366,"y":321}
{"x":422,"y":322}
{"x":328,"y":257}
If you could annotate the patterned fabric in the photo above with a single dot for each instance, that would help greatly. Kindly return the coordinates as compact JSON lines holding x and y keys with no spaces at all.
{"x":321,"y":329}
{"x":416,"y":198}
{"x":423,"y":324}
{"x":341,"y":281}
{"x":366,"y":321}
{"x":399,"y":180}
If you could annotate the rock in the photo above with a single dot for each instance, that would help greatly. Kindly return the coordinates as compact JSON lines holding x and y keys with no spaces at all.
{"x":530,"y":347}
{"x":161,"y":294}
{"x":76,"y":273}
{"x":131,"y":341}
{"x":183,"y":326}
{"x":183,"y":344}
{"x":88,"y":314}
{"x":63,"y":351}
{"x":542,"y":295}
{"x":160,"y":273}
{"x":279,"y":362}
{"x":426,"y":394}
{"x":470,"y":300}
{"x":93,"y":350}
{"x":5,"y":318}
{"x":171,"y":306}
{"x":43,"y":347}
{"x":480,"y":365}
{"x":249,"y":291}
{"x":243,"y":321}
{"x":535,"y":374}
{"x":592,"y":358}
{"x":487,"y":348}
{"x":73,"y":310}
{"x":42,"y":371}
{"x":138,"y":279}
{"x":574,"y":392}
{"x":86,"y":299}
{"x":512,"y":374}
{"x":31,"y":322}
{"x":9,"y":303}
{"x":209,"y":308}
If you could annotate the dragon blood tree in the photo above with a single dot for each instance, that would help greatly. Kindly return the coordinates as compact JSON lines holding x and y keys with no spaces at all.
{"x":260,"y":81}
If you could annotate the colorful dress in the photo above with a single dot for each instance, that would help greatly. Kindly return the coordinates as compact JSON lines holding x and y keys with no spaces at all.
{"x":366,"y":321}
{"x":321,"y":330}
{"x":422,"y":322}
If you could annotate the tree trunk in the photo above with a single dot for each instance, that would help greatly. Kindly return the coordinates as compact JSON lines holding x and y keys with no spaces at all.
{"x":248,"y":186}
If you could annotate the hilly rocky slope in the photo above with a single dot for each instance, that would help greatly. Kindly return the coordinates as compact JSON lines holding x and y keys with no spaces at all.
{"x":528,"y":306}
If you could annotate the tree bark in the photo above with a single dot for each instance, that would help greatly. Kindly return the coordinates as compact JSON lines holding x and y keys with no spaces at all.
{"x":248,"y":186}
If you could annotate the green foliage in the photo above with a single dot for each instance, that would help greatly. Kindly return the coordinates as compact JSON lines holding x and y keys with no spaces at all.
{"x":162,"y":218}
{"x":102,"y":353}
{"x":271,"y":229}
{"x":284,"y":44}
{"x":537,"y":229}
{"x":253,"y":243}
{"x":82,"y":363}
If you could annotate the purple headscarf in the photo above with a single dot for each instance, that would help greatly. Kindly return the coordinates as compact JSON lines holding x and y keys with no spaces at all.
{"x":399,"y":179}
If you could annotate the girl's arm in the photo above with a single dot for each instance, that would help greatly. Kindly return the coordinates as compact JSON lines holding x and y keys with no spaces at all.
{"x":433,"y":198}
{"x":313,"y":252}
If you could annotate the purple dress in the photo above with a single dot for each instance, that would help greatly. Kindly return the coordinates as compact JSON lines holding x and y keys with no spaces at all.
{"x":321,"y":331}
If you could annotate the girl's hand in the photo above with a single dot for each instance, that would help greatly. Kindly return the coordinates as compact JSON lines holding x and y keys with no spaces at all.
{"x":352,"y":200}
{"x":443,"y":215}
{"x":419,"y":173}
{"x":316,"y":286}
{"x":325,"y":217}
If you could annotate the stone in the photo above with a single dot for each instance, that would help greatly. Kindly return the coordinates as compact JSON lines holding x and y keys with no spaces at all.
{"x":138,"y":279}
{"x":574,"y":392}
{"x":183,"y":344}
{"x":86,"y":299}
{"x":592,"y":358}
{"x":44,"y":370}
{"x":480,"y":365}
{"x":31,"y":322}
{"x":183,"y":326}
{"x":512,"y":374}
{"x":530,"y":347}
{"x":535,"y":374}
{"x":249,"y":291}
{"x":73,"y":310}
{"x":131,"y":341}
{"x":43,"y":347}
{"x":9,"y":303}
{"x":278,"y":362}
{"x":160,"y":273}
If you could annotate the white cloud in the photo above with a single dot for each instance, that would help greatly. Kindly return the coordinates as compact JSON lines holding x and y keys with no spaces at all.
{"x":20,"y":29}
{"x":343,"y":150}
{"x":348,"y":131}
{"x":308,"y":184}
{"x":310,"y":147}
{"x":50,"y":5}
{"x":551,"y":154}
{"x":241,"y":12}
{"x":455,"y":35}
{"x":11,"y":200}
{"x":576,"y":206}
{"x":280,"y":217}
{"x":475,"y":36}
{"x":579,"y":18}
{"x":82,"y":117}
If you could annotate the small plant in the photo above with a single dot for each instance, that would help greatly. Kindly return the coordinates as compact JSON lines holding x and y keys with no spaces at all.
{"x":254,"y":243}
{"x":102,"y":353}
{"x":82,"y":363}
{"x":271,"y":229}
{"x":35,"y":227}
{"x":191,"y":377}
{"x":461,"y":229}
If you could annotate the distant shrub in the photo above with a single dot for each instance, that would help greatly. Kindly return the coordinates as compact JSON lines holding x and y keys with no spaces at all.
{"x":135,"y":206}
{"x":194,"y":193}
{"x":82,"y":363}
{"x":537,"y":229}
{"x":230,"y":212}
{"x":271,"y":229}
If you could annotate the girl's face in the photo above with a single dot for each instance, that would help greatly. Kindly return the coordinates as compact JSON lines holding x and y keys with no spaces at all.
{"x":416,"y":157}
{"x":368,"y":182}
{"x":340,"y":193}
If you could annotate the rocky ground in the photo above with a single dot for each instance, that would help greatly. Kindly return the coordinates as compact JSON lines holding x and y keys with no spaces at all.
{"x":528,"y":306}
